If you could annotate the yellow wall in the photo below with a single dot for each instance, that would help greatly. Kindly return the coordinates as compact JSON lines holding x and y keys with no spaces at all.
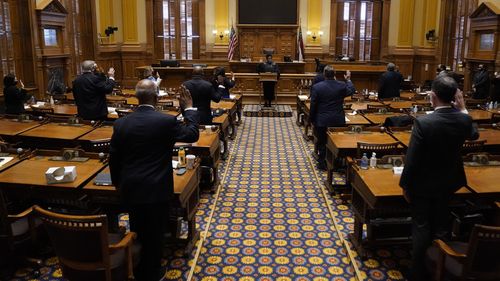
{"x":314,"y":18}
{"x":128,"y":15}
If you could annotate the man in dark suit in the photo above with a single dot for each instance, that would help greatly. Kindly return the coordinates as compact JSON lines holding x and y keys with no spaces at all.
{"x":481,"y":84}
{"x":390,"y":83}
{"x":141,"y":169}
{"x":268,"y":66}
{"x":203,"y":93}
{"x":327,"y":108}
{"x":90,"y":89}
{"x":433,"y":168}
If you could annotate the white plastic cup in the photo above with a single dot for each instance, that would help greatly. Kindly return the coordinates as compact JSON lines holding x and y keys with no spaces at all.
{"x":190,"y":161}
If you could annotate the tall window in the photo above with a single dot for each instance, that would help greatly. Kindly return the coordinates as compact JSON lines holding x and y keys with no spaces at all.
{"x":180,"y":31}
{"x":456,"y":32}
{"x":358,"y":28}
{"x":6,"y":44}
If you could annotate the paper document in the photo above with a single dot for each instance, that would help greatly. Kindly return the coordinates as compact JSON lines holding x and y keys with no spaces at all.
{"x":5,"y":160}
{"x":303,"y":97}
{"x":162,"y":93}
{"x":174,"y":164}
{"x":232,"y":97}
{"x":347,"y":120}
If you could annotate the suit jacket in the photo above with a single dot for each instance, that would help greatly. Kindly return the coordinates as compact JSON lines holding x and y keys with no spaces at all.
{"x":433,"y":165}
{"x":228,"y":84}
{"x":203,"y":93}
{"x":482,"y":85}
{"x":141,"y":153}
{"x":327,"y":102}
{"x":15,"y":99}
{"x":389,"y":84}
{"x":89,"y":90}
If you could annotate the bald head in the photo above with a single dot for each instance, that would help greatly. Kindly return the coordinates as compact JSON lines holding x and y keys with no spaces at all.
{"x":88,"y":66}
{"x":197,"y":71}
{"x":145,"y":91}
{"x":391,"y":66}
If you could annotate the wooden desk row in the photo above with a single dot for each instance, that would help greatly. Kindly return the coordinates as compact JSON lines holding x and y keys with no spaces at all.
{"x":56,"y":136}
{"x":342,"y":143}
{"x":378,"y":202}
{"x":26,"y":178}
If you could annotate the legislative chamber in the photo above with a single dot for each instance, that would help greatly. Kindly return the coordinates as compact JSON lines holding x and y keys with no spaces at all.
{"x":250,"y":140}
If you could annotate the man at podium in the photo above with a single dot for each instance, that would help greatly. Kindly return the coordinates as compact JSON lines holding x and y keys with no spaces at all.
{"x":268,"y":86}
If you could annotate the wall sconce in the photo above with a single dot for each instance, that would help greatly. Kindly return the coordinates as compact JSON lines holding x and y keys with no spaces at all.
{"x":431,"y":35}
{"x":110,"y":30}
{"x":222,"y":34}
{"x":313,"y":34}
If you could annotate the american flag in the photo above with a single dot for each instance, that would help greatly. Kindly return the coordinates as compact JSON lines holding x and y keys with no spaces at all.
{"x":300,"y":46}
{"x":233,"y":43}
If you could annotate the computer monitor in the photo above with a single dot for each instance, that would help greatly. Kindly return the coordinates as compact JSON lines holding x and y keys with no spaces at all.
{"x":170,"y":63}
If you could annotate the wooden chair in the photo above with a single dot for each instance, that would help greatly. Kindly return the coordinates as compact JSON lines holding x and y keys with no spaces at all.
{"x":17,"y":236}
{"x":86,"y":250}
{"x":495,"y":118}
{"x":473,"y":146}
{"x":477,"y":260}
{"x":380,"y":148}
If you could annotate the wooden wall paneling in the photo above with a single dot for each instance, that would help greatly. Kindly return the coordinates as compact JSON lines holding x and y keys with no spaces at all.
{"x":420,"y":74}
{"x":333,"y":28}
{"x":254,"y":38}
{"x":158,"y":30}
{"x":384,"y":37}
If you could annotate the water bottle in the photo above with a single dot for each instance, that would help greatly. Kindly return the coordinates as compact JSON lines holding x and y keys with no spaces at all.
{"x":495,"y":105}
{"x":364,"y":162}
{"x":373,"y":160}
{"x":490,"y":106}
{"x":182,"y":157}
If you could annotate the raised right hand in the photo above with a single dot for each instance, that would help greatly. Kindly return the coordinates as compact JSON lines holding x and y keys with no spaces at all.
{"x":185,"y":99}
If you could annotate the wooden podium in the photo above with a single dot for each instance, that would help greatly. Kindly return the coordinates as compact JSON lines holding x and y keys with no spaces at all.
{"x":268,"y":77}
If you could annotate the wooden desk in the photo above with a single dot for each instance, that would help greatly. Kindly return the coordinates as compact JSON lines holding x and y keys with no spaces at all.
{"x":11,"y":127}
{"x":238,"y":99}
{"x":54,"y":135}
{"x":402,"y":104}
{"x":304,"y":107}
{"x":285,"y":67}
{"x":31,"y":173}
{"x":361,"y":105}
{"x":223,"y":123}
{"x":11,"y":163}
{"x":379,"y":118}
{"x":339,"y":145}
{"x":230,"y":108}
{"x":59,"y":109}
{"x":480,"y":116}
{"x":186,"y":191}
{"x":402,"y":136}
{"x":484,"y":181}
{"x":101,"y":133}
{"x":378,"y":202}
{"x":492,"y":137}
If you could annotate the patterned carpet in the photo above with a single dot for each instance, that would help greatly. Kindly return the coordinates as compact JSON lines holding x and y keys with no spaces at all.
{"x":270,"y":220}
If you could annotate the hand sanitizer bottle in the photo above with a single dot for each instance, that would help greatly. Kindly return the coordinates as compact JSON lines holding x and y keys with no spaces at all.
{"x":364,"y":162}
{"x":373,"y":160}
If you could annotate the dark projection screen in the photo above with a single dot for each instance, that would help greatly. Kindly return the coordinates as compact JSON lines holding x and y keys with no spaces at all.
{"x":267,"y":11}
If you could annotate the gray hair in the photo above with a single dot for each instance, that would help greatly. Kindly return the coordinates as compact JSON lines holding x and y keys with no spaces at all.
{"x":391,"y":66}
{"x":88,"y":66}
{"x":329,"y":72}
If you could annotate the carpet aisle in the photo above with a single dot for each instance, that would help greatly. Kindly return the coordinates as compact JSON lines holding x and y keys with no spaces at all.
{"x":270,"y":222}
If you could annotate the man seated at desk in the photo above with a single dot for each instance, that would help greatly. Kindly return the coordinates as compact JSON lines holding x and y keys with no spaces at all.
{"x":434,"y":169}
{"x":327,"y":108}
{"x":90,"y":89}
{"x":203,"y":93}
{"x":268,"y":86}
{"x":141,"y":169}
